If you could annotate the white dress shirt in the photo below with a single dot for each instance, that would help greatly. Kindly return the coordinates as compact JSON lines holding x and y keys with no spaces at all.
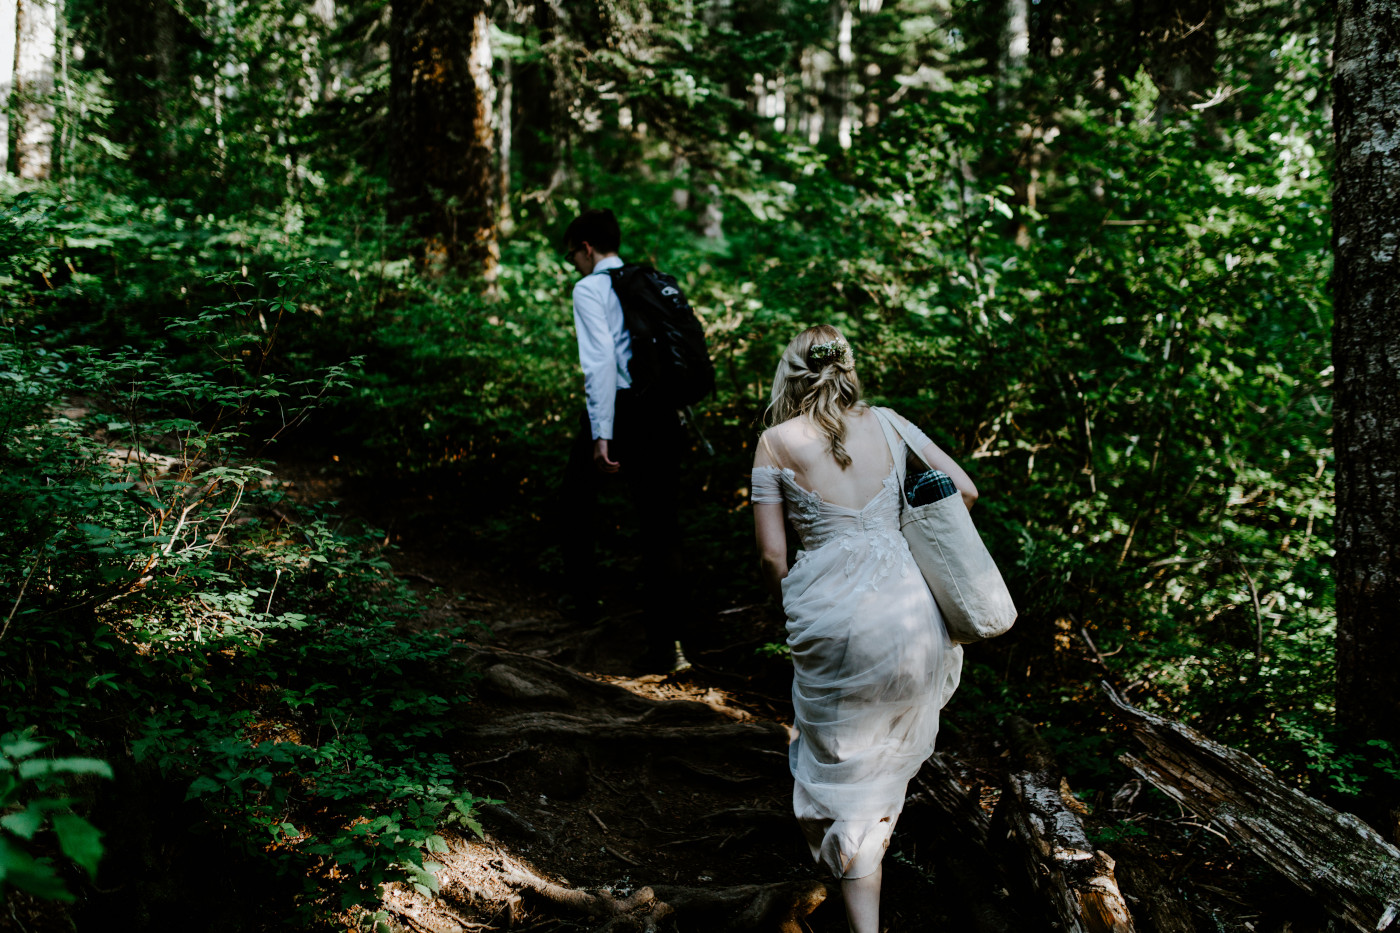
{"x":604,"y":346}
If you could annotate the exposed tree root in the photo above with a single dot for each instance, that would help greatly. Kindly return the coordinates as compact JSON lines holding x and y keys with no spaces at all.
{"x":553,"y":703}
{"x":643,"y":730}
{"x":755,"y":907}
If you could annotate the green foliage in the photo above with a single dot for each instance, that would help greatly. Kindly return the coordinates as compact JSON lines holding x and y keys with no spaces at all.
{"x":29,"y":811}
{"x":261,"y":659}
{"x":1114,"y":833}
{"x":1105,"y":296}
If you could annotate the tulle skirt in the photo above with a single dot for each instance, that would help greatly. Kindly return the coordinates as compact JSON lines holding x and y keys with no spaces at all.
{"x":873,"y":667}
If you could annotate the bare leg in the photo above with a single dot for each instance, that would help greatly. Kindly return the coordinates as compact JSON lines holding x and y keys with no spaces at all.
{"x":862,"y":896}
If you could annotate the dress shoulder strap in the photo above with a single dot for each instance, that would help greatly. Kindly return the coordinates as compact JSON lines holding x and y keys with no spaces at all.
{"x":765,"y":442}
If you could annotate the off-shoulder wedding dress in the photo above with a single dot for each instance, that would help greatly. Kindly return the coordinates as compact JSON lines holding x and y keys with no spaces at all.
{"x":873,"y":667}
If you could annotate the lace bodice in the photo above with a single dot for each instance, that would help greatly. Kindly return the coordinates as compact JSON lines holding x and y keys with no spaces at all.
{"x":871,"y":531}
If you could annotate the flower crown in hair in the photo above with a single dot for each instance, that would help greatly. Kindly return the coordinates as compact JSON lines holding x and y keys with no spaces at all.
{"x":837,"y":350}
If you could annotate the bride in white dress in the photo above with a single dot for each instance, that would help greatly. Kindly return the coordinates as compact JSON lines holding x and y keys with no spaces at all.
{"x":873,"y":665}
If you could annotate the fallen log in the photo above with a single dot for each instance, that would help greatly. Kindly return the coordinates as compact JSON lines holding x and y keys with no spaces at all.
{"x":1152,"y":893}
{"x":1347,"y":866}
{"x":1038,"y":815}
{"x":641,"y":729}
{"x":937,"y":785}
{"x":944,"y":822}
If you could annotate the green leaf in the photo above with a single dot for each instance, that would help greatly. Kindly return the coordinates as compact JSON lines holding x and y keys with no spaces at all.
{"x":35,"y":767}
{"x":95,"y":533}
{"x":201,"y":786}
{"x":20,"y":748}
{"x":79,"y":840}
{"x":25,"y":823}
{"x":30,"y":875}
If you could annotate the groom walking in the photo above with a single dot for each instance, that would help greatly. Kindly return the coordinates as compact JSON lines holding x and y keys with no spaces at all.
{"x":624,"y":435}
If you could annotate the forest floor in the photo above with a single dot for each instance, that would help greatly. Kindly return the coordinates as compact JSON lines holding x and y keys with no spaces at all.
{"x":620,"y":799}
{"x":609,"y":780}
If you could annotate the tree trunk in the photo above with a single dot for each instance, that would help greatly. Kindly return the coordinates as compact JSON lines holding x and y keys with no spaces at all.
{"x":1366,"y":355}
{"x":442,"y":168}
{"x":140,"y":47}
{"x":32,"y":130}
{"x":1015,"y":49}
{"x":838,"y":122}
{"x":1333,"y":856}
{"x":9,"y":16}
{"x":506,"y":127}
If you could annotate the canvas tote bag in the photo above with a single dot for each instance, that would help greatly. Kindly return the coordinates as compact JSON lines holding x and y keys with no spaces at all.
{"x":955,"y":563}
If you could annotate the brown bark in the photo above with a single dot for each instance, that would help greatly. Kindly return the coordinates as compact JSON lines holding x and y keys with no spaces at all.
{"x":1366,"y":355}
{"x":1342,"y":862}
{"x":1037,"y":814}
{"x":32,"y":129}
{"x":442,"y":168}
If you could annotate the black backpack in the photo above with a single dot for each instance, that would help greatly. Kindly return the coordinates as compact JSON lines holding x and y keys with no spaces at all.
{"x":669,"y":356}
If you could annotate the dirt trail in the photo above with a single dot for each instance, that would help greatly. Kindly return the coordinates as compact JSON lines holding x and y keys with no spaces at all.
{"x":626,"y":802}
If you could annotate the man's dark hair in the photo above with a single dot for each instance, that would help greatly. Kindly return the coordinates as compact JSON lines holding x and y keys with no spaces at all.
{"x":596,"y":226}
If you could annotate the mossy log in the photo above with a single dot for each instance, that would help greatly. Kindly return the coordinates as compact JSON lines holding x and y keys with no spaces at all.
{"x":1351,"y":870}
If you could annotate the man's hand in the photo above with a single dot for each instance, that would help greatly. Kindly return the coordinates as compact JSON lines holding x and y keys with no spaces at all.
{"x":600,"y":457}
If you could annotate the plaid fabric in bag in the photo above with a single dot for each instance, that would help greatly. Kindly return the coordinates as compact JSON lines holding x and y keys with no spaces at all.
{"x":928,"y":486}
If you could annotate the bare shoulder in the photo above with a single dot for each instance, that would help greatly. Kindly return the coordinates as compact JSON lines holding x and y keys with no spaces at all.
{"x":782,"y":443}
{"x":786,"y":430}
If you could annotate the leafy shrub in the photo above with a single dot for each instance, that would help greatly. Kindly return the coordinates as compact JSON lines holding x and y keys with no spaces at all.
{"x":29,"y":810}
{"x":253,"y":650}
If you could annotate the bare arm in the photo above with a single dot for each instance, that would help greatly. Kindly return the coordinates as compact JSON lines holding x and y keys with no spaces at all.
{"x":772,"y":546}
{"x":770,"y":533}
{"x":937,"y":459}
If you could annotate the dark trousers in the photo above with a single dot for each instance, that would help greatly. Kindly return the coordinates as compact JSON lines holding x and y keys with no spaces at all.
{"x":647,"y":441}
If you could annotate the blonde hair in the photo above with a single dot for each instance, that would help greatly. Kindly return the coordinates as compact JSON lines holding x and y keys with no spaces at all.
{"x":821,"y":385}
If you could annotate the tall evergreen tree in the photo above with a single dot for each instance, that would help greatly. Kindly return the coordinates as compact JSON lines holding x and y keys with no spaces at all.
{"x":442,"y":168}
{"x":1366,"y":354}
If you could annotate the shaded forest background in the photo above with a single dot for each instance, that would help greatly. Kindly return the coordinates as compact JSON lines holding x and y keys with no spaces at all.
{"x":1086,"y":245}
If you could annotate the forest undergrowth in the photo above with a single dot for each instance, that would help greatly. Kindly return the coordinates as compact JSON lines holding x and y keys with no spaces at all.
{"x":1109,"y":302}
